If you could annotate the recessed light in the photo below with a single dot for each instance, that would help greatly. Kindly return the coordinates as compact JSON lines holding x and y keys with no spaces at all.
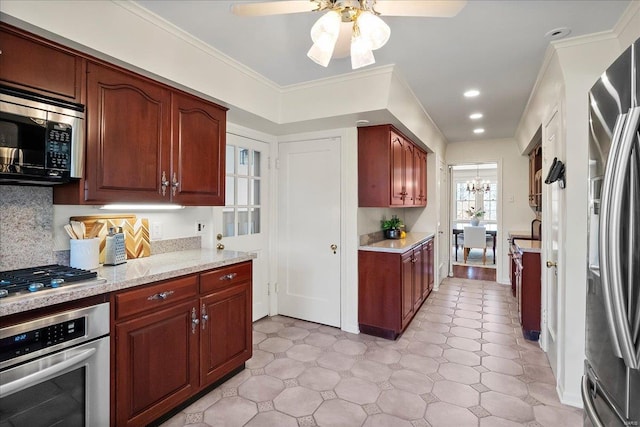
{"x":475,"y":116}
{"x":558,"y":33}
{"x":478,"y":130}
{"x":471,"y":93}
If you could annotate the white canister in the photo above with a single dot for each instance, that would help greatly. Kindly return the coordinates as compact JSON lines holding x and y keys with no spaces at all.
{"x":85,"y":253}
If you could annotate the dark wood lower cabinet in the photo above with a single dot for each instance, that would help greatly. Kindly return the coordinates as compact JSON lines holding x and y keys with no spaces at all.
{"x":173,"y":339}
{"x":528,"y":285}
{"x":153,"y":368}
{"x":392,"y":287}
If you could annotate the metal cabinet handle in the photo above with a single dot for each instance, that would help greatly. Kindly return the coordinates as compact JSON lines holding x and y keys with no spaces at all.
{"x":194,"y":320}
{"x":205,"y":316}
{"x":174,"y":184}
{"x":164,"y":183}
{"x":161,"y":296}
{"x":229,"y":276}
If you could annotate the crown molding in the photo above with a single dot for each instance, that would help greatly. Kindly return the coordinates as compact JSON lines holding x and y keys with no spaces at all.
{"x":585,"y":39}
{"x":626,"y":18}
{"x":354,"y":75}
{"x":165,"y":25}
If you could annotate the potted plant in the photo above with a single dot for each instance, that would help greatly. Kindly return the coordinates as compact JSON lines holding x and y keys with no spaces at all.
{"x":475,"y":215}
{"x":392,"y":227}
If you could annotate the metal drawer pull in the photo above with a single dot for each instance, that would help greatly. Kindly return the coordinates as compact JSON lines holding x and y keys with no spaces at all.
{"x":161,"y":296}
{"x":194,"y":320}
{"x":205,"y":316}
{"x":229,"y":276}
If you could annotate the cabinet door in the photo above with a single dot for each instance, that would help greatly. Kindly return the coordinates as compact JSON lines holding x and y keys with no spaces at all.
{"x":198,"y":147}
{"x":128,"y":137}
{"x":39,"y":66}
{"x":406,"y":311}
{"x":427,"y":268}
{"x":420,"y":173}
{"x":409,"y":177}
{"x":155,"y":363}
{"x":225,"y":331}
{"x":419,"y":279}
{"x":397,"y":170}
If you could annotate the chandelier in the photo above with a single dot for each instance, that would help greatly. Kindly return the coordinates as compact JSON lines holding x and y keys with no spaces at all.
{"x":367,"y":32}
{"x":478,"y":185}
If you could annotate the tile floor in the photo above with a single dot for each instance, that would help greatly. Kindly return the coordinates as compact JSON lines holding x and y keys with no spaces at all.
{"x":461,"y":362}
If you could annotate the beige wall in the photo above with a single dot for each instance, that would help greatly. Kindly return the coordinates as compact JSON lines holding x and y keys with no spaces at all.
{"x":513,"y":178}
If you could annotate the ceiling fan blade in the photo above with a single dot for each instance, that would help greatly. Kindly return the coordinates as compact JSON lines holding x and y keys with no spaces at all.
{"x":273,"y":7}
{"x":429,"y":8}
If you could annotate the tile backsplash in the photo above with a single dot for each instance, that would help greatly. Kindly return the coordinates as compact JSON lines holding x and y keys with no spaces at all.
{"x":26,"y":226}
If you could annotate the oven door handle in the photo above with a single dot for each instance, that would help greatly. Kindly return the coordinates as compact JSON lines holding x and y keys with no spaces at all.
{"x":37,"y":377}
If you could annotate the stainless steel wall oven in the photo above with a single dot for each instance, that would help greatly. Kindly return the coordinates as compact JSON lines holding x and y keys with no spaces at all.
{"x":54,"y":371}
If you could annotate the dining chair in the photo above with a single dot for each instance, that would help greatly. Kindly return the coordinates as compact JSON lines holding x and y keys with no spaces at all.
{"x":475,"y":237}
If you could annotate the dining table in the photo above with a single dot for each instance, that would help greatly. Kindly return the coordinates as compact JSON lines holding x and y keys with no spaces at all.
{"x":492,"y":230}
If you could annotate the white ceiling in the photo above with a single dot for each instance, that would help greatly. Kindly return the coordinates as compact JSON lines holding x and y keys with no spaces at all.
{"x":494,"y":46}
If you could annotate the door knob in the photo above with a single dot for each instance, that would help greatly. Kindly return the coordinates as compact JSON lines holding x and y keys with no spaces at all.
{"x":551,"y":264}
{"x":219,"y":246}
{"x":334,"y":247}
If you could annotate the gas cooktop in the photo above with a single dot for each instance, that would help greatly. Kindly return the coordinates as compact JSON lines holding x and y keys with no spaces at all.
{"x":15,"y":282}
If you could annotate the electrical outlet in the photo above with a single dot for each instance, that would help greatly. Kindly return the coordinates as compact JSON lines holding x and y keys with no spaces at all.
{"x":200,"y":226}
{"x":156,"y":231}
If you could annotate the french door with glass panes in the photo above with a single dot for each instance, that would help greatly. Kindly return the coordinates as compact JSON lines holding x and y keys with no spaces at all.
{"x":241,"y":225}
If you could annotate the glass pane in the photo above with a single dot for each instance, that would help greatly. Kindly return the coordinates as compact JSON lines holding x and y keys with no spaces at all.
{"x":243,"y":161}
{"x":255,"y":192}
{"x":231,"y":159}
{"x":230,"y":191}
{"x":256,"y":163}
{"x":228,"y":222}
{"x":255,"y":220}
{"x":243,"y":191}
{"x":243,"y":221}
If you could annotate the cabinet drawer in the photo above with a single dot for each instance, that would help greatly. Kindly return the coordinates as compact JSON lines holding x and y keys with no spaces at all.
{"x":223,"y":277}
{"x":155,"y":296}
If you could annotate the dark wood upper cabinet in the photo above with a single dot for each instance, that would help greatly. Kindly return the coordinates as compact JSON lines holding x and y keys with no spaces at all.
{"x":128,"y":138}
{"x":391,"y":169}
{"x":147,"y":142}
{"x":31,"y":63}
{"x":199,"y":130}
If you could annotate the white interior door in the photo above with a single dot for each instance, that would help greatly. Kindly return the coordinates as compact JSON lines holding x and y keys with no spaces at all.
{"x":242,"y":225}
{"x":551,"y":223}
{"x":308,"y":228}
{"x":444,"y":252}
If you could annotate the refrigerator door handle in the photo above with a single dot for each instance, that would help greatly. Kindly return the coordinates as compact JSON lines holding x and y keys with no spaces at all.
{"x":605,"y":261}
{"x":623,"y":318}
{"x":589,"y":405}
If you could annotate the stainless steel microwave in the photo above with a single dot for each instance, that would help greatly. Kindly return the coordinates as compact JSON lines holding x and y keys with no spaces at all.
{"x":41,"y":139}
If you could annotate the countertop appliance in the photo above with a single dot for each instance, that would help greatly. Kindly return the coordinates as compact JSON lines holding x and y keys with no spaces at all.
{"x":54,"y":370}
{"x":611,"y":382}
{"x":41,"y":139}
{"x":34,"y":279}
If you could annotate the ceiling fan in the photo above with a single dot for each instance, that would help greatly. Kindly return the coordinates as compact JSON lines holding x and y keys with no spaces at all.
{"x":351,"y":26}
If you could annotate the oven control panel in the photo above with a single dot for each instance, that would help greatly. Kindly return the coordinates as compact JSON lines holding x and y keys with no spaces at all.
{"x":37,"y":339}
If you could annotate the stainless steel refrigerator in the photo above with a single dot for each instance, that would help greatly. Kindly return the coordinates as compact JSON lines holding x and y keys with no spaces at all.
{"x":611,"y":383}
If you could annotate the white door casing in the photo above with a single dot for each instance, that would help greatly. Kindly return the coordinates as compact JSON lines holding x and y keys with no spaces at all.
{"x":244,"y":222}
{"x":550,"y":236}
{"x":309,"y":223}
{"x":444,"y":234}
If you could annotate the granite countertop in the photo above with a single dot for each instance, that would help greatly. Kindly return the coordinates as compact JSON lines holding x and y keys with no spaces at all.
{"x":519,"y":234}
{"x":529,"y":245}
{"x":134,"y":272}
{"x":397,"y":246}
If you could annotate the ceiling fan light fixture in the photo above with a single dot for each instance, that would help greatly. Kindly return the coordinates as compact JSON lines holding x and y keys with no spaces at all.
{"x":374,"y":29}
{"x":361,"y":52}
{"x":324,"y":34}
{"x":320,"y":54}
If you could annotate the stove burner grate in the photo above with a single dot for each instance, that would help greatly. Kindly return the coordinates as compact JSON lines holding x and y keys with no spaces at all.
{"x":36,"y":278}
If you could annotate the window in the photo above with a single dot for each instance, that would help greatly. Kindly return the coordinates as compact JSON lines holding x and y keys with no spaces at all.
{"x":241,"y":214}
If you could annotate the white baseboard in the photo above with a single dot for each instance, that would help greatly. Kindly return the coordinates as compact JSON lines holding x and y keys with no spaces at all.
{"x":571,"y":399}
